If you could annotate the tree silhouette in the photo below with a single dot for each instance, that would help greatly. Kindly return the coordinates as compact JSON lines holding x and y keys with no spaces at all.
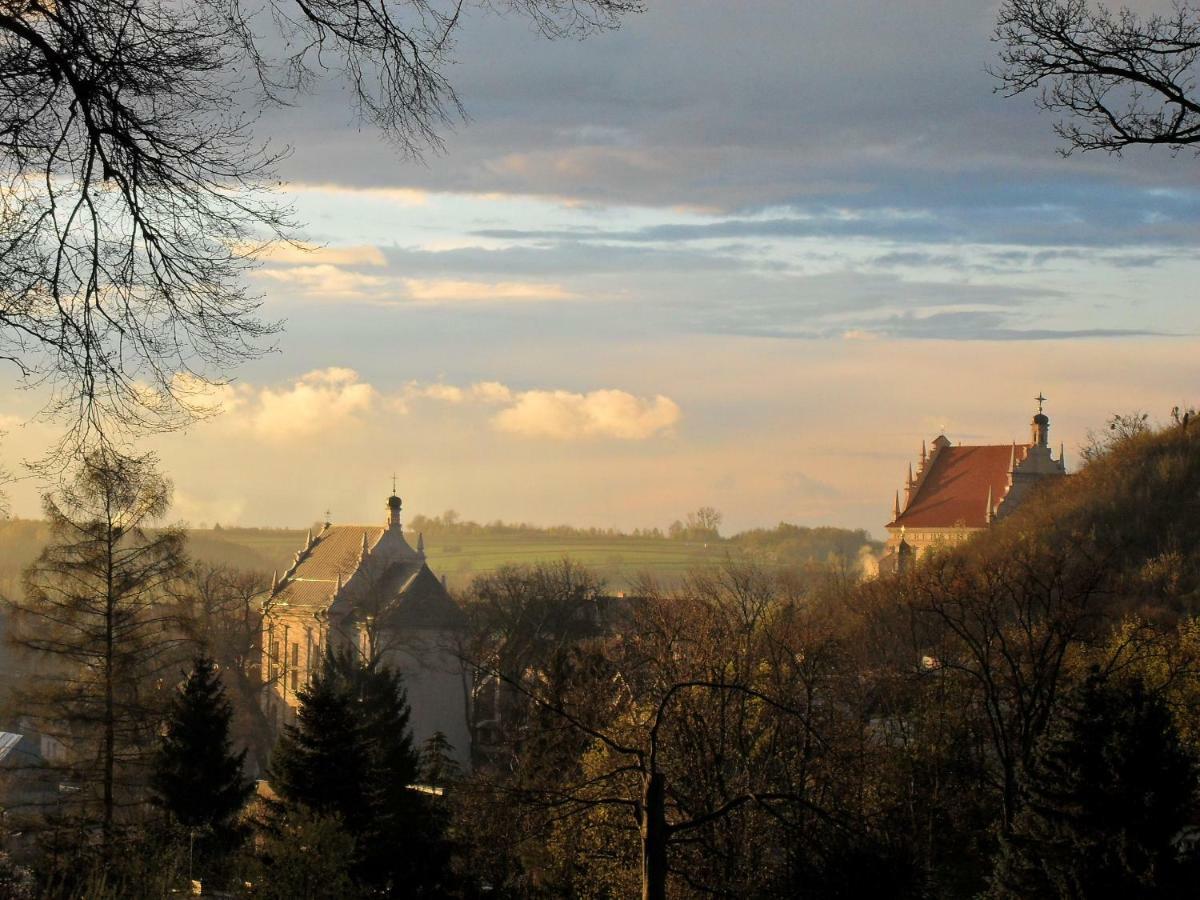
{"x":135,"y":191}
{"x":1108,"y":796}
{"x":197,"y":776}
{"x":95,"y":619}
{"x":1121,"y":79}
{"x":350,"y":755}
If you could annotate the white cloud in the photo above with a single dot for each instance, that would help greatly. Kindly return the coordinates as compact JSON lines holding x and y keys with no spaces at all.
{"x":326,"y":280}
{"x":318,"y":401}
{"x":285,"y":253}
{"x":194,"y":509}
{"x":557,"y":414}
{"x":564,"y":415}
{"x":453,"y":291}
{"x":335,"y":399}
{"x":396,"y":195}
{"x":480,"y":392}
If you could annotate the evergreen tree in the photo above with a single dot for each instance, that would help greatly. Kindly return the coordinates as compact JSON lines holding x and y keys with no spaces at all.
{"x":439,"y":768}
{"x":1107,"y":796}
{"x":197,"y":777}
{"x":350,"y":755}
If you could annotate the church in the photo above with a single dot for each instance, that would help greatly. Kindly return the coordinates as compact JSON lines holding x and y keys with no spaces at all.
{"x":365,"y":586}
{"x":957,"y":491}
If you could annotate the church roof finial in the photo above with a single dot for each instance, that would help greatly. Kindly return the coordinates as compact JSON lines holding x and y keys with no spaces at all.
{"x":896,"y":507}
{"x":1040,"y":400}
{"x":910,"y":476}
{"x":924,"y":455}
{"x":991,"y":509}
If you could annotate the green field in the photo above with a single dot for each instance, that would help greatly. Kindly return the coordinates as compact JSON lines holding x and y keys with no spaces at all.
{"x":467,"y":550}
{"x":460,"y":557}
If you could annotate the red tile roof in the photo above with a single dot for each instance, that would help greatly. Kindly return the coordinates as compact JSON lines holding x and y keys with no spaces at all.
{"x":953,"y":490}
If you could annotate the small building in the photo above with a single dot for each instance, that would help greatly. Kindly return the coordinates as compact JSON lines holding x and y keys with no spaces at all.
{"x":365,"y":586}
{"x":957,"y":491}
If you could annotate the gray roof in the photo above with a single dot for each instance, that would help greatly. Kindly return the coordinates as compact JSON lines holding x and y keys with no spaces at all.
{"x":396,"y":579}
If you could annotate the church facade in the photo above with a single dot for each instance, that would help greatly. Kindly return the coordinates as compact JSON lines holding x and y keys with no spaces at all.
{"x":365,"y":586}
{"x":957,"y":491}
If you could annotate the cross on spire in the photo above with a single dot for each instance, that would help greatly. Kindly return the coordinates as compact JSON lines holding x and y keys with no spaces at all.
{"x":393,"y":482}
{"x":1040,"y":400}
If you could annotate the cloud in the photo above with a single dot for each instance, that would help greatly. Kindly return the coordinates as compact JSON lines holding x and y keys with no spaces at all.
{"x":284,"y":253}
{"x":401,"y":196}
{"x":336,"y":400}
{"x":320,"y":401}
{"x":563,"y":415}
{"x":557,"y":414}
{"x":452,"y":291}
{"x":195,"y":509}
{"x":326,"y":280}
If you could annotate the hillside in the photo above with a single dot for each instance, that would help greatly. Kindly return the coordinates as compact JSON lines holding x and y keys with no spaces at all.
{"x":464,"y":549}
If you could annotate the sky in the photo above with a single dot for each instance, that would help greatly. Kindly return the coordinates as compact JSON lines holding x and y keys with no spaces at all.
{"x":745,"y":255}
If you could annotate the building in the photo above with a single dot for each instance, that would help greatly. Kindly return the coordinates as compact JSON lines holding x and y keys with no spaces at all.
{"x":365,"y":586}
{"x":957,"y":491}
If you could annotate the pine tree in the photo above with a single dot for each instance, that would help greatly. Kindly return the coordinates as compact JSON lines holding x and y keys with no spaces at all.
{"x":350,"y":754}
{"x":439,"y":768}
{"x":1108,"y":795}
{"x":197,"y":777}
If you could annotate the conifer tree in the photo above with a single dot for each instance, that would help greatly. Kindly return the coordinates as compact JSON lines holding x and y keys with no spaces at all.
{"x":96,"y":621}
{"x":350,"y":754}
{"x":197,"y":776}
{"x":1109,"y":793}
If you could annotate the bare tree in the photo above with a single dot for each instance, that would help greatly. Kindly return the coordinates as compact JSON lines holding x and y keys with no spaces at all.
{"x":96,"y":617}
{"x":133,"y":189}
{"x":1122,"y":79}
{"x":221,"y":613}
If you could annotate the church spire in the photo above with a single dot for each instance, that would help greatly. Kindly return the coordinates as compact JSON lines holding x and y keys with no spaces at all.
{"x":1040,"y":426}
{"x":991,"y":509}
{"x":896,"y":507}
{"x":393,"y":505}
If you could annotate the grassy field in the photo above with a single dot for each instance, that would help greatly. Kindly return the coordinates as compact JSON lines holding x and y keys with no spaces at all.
{"x":462,"y":553}
{"x":461,"y":556}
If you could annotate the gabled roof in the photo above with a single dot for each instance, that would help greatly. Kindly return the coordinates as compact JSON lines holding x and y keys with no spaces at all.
{"x":953,"y":488}
{"x":336,"y":551}
{"x":394,"y":577}
{"x":417,"y":598}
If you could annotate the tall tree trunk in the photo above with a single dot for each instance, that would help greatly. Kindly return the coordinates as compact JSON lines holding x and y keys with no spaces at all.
{"x":654,"y":837}
{"x":109,"y":704}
